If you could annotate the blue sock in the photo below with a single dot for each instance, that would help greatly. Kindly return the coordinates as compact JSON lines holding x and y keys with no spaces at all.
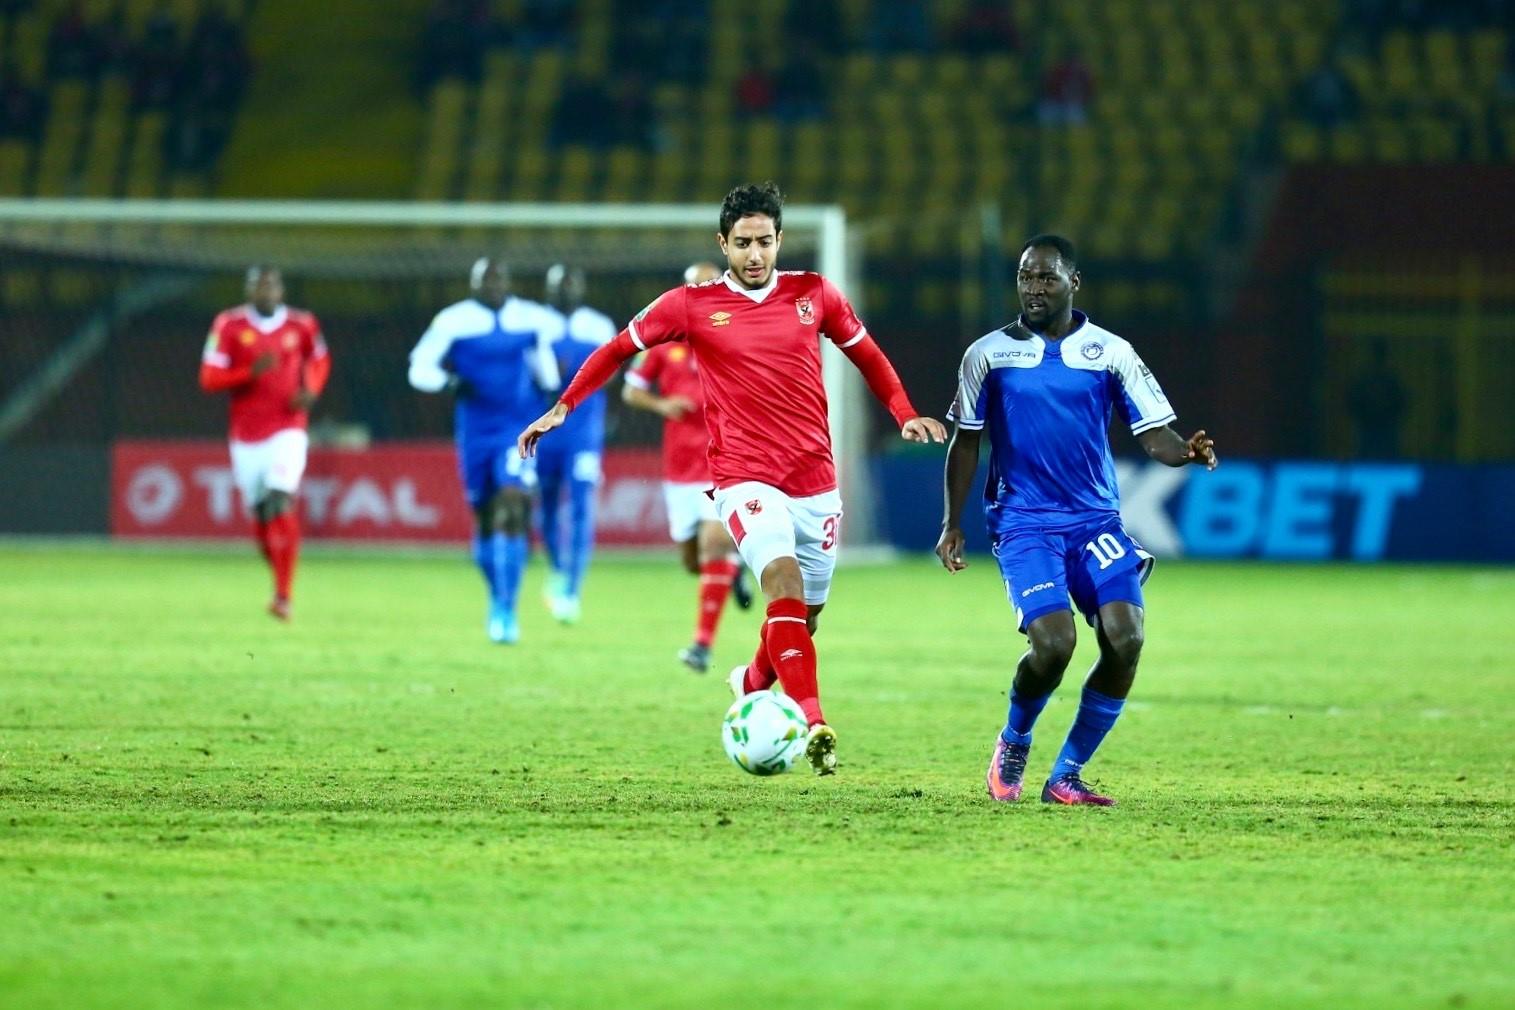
{"x":483,"y":556}
{"x":580,"y":533}
{"x":548,"y":527}
{"x":510,"y":553}
{"x":1096,"y":715}
{"x":1024,"y":709}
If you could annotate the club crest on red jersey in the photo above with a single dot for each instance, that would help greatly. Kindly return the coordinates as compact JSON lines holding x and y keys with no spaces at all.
{"x":754,"y":507}
{"x":248,"y":337}
{"x":806,"y":310}
{"x":289,"y":341}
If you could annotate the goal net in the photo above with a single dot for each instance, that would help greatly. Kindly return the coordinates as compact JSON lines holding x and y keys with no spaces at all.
{"x":104,"y":305}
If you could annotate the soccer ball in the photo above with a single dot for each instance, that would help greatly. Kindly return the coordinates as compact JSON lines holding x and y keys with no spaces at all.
{"x":764,"y":733}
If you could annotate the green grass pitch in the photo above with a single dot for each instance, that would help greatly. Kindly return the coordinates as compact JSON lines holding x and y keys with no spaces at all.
{"x":374,"y":806}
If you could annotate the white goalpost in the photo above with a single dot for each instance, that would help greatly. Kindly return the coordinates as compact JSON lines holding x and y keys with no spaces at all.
{"x":117,"y":257}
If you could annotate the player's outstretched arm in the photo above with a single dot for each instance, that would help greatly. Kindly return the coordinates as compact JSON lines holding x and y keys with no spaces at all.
{"x":218,"y":379}
{"x":526,"y":442}
{"x":1170,"y":448}
{"x":884,"y":382}
{"x":957,"y":482}
{"x":671,"y":407}
{"x":592,"y":374}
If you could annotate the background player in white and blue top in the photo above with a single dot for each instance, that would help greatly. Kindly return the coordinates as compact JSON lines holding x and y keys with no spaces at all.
{"x":493,"y":351}
{"x":1044,"y":388}
{"x":573,"y":461}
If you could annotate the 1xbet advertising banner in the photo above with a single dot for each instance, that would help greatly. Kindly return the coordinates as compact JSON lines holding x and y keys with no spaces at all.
{"x":393,"y":492}
{"x":1285,"y":510}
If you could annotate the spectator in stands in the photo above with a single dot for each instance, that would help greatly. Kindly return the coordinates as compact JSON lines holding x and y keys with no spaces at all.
{"x":71,"y":44}
{"x":985,"y":28}
{"x":454,"y":41}
{"x":1379,"y":403}
{"x":155,"y":63}
{"x":546,"y":23}
{"x":632,"y":113}
{"x":1327,"y":98}
{"x":755,"y":91}
{"x":217,"y":63}
{"x":1067,"y":92}
{"x":580,"y":117}
{"x":820,"y":21}
{"x":23,"y":109}
{"x":671,"y":35}
{"x":800,"y":93}
{"x":899,"y":26}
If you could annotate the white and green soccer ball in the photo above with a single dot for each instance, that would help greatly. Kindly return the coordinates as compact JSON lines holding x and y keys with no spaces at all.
{"x":764,"y":733}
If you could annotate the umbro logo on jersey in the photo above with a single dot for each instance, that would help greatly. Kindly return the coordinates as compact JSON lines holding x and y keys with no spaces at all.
{"x":289,"y":341}
{"x":248,"y":337}
{"x":806,"y":311}
{"x":1093,"y":350}
{"x":754,"y":507}
{"x":720,"y":318}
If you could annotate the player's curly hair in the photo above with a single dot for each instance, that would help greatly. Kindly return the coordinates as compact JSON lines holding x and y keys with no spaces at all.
{"x":754,"y":198}
{"x":1064,"y":247}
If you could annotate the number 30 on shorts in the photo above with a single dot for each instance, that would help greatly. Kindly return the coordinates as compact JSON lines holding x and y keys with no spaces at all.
{"x":829,"y":528}
{"x":1106,"y":550}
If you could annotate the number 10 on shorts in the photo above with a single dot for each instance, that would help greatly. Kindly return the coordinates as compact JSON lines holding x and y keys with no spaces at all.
{"x":1106,"y":550}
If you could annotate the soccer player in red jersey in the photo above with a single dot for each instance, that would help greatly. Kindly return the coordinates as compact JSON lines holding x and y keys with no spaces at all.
{"x":666,"y":381}
{"x":756,"y":332}
{"x":272,"y":360}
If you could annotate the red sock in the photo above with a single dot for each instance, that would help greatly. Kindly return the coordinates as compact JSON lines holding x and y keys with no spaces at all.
{"x":283,"y":549}
{"x":792,"y":653}
{"x":760,"y":672}
{"x":715,"y":585}
{"x":260,"y":532}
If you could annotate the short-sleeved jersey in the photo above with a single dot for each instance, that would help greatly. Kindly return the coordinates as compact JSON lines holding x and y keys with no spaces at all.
{"x":671,"y":370}
{"x":241,"y":335}
{"x":584,"y":331}
{"x":1047,"y":407}
{"x":760,"y":366}
{"x":504,"y":357}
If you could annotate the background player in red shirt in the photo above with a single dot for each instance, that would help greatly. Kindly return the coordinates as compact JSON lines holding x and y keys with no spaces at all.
{"x":756,"y":333}
{"x":666,"y":381}
{"x":272,"y":360}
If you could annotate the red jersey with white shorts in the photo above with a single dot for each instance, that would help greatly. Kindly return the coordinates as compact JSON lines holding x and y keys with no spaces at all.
{"x":260,"y":405}
{"x":670,"y":369}
{"x":760,"y":365}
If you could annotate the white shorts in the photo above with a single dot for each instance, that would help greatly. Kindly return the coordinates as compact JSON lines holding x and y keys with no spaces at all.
{"x":275,"y":464}
{"x":688,"y":505}
{"x":767,"y":525}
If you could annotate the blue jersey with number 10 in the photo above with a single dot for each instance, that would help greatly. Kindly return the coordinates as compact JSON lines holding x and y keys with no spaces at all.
{"x":1047,"y":407}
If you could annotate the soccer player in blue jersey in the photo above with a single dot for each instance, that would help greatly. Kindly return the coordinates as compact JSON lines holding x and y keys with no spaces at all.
{"x":493,"y":352}
{"x":1044,"y":387}
{"x":573,"y":462}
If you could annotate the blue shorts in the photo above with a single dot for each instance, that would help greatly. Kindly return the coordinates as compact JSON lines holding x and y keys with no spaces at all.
{"x":1094,"y":563}
{"x":490,"y":464}
{"x":567,"y":460}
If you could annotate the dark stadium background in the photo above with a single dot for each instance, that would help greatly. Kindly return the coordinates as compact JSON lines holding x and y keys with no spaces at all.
{"x":1291,"y":208}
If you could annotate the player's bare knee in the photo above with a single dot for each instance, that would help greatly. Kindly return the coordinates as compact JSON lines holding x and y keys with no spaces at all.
{"x":512,"y":512}
{"x":1125,"y":644}
{"x":1053,"y":639}
{"x":813,"y":617}
{"x":689,"y":555}
{"x":714,"y":543}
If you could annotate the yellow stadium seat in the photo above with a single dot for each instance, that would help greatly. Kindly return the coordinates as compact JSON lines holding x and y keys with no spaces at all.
{"x":1348,"y":143}
{"x":15,"y":161}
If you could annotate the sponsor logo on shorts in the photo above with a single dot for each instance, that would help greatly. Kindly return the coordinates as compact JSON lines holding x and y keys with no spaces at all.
{"x":806,"y":311}
{"x":720,"y":319}
{"x":1038,"y":588}
{"x":754,"y":507}
{"x":1093,"y":350}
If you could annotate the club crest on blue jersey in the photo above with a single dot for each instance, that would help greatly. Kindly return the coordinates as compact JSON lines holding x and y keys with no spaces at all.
{"x":806,"y":311}
{"x":1093,"y":350}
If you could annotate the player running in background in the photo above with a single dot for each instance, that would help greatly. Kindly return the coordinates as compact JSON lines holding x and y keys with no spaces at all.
{"x":493,"y":352}
{"x":1044,"y":387}
{"x":666,"y":381}
{"x":272,"y":360}
{"x":756,"y":333}
{"x":573,"y":459}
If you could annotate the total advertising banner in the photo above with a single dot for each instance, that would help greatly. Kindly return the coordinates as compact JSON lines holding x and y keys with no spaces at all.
{"x":1283,"y":510}
{"x":389,"y":492}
